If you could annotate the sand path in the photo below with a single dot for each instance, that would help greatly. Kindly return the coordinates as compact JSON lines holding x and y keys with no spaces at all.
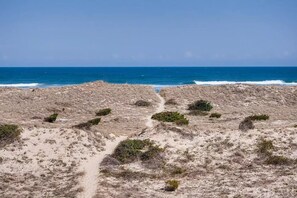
{"x":160,"y":108}
{"x":91,"y":168}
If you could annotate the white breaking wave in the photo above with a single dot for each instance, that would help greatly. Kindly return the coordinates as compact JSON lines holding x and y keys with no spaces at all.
{"x":21,"y":85}
{"x":265,"y":82}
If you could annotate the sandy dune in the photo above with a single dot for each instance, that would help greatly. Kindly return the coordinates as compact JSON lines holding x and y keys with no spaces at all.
{"x":213,"y":157}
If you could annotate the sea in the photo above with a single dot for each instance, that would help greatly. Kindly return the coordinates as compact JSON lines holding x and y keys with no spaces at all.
{"x":27,"y":77}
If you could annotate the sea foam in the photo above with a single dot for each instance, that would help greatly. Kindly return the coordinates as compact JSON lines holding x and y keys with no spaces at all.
{"x":21,"y":85}
{"x":265,"y":82}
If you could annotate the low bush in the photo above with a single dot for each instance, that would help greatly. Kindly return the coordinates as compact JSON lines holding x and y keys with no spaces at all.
{"x":258,"y":117}
{"x":142,"y":103}
{"x":171,"y":117}
{"x":278,"y":160}
{"x":215,"y":115}
{"x":103,"y":112}
{"x":152,"y":152}
{"x":246,"y":125}
{"x":87,"y":125}
{"x":265,"y":147}
{"x":9,"y":132}
{"x":201,"y":105}
{"x":295,"y":126}
{"x":197,"y":113}
{"x":52,"y":118}
{"x":129,"y":150}
{"x":171,"y":185}
{"x":181,"y":122}
{"x":171,"y":102}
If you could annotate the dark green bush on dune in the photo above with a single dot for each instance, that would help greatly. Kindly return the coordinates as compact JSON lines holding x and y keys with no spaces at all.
{"x":129,"y":150}
{"x":52,"y":118}
{"x":201,"y":105}
{"x":103,"y":112}
{"x":168,"y":116}
{"x":87,"y":125}
{"x":9,"y":132}
{"x":215,"y":115}
{"x":259,"y":117}
{"x":142,"y":103}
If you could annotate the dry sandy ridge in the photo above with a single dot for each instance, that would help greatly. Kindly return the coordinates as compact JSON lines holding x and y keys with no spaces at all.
{"x":217,"y":160}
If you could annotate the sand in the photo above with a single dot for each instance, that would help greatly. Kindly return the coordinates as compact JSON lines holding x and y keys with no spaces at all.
{"x":217,"y":159}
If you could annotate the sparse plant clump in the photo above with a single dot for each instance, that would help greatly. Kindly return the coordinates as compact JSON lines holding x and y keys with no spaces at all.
{"x":215,"y":115}
{"x":201,"y":105}
{"x":258,"y":117}
{"x":87,"y":125}
{"x":127,"y":174}
{"x":103,"y":112}
{"x":278,"y":160}
{"x":128,"y":150}
{"x":171,"y":185}
{"x":168,"y":116}
{"x":198,"y":113}
{"x":142,"y":103}
{"x":9,"y":132}
{"x":152,"y":152}
{"x":52,"y":118}
{"x":295,"y":126}
{"x":171,"y":102}
{"x":176,"y":170}
{"x":246,"y":125}
{"x":265,"y":147}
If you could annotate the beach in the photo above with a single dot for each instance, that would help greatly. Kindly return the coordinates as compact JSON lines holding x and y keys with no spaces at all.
{"x":208,"y":157}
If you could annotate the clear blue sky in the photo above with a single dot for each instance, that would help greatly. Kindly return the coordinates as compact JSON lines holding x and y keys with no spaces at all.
{"x":148,"y":32}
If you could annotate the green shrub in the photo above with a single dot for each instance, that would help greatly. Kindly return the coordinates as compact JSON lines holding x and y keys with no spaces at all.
{"x":171,"y":185}
{"x":258,"y":117}
{"x":278,"y":160}
{"x":265,"y":147}
{"x":183,"y":121}
{"x":176,"y":170}
{"x":198,"y":113}
{"x":95,"y":121}
{"x":168,"y":116}
{"x":9,"y":132}
{"x":87,"y":125}
{"x":171,"y":102}
{"x":246,"y":124}
{"x":103,"y":112}
{"x":215,"y":115}
{"x":128,"y":150}
{"x":52,"y":118}
{"x":152,"y":152}
{"x":201,"y":105}
{"x":142,"y":103}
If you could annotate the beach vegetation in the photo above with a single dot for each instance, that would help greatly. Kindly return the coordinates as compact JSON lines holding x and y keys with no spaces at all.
{"x":103,"y":112}
{"x":142,"y":103}
{"x":215,"y":115}
{"x":197,"y":113}
{"x":52,"y":118}
{"x":201,"y":105}
{"x":258,"y":117}
{"x":171,"y":185}
{"x":87,"y":125}
{"x":168,"y":116}
{"x":265,"y":147}
{"x":131,"y":150}
{"x":278,"y":160}
{"x":9,"y":133}
{"x":171,"y":102}
{"x":246,"y":124}
{"x":127,"y":174}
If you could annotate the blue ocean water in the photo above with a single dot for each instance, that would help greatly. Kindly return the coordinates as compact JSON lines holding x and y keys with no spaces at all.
{"x":158,"y":76}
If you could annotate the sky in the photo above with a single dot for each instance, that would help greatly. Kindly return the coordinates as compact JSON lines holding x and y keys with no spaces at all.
{"x":148,"y":32}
